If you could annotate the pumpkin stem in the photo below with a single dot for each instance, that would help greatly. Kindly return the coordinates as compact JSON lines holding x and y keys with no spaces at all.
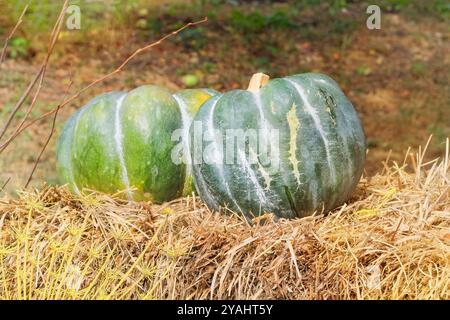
{"x":257,"y":81}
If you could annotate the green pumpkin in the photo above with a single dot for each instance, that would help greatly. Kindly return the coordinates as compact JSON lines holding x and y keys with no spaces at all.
{"x":124,"y":141}
{"x":302,"y":148}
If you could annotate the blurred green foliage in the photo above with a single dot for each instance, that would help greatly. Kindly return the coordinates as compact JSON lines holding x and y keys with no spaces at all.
{"x":418,"y":69}
{"x":413,"y":8}
{"x":101,"y":14}
{"x":327,"y":21}
{"x":256,"y":21}
{"x":41,"y":14}
{"x":18,"y":47}
{"x":252,"y":22}
{"x":194,"y":38}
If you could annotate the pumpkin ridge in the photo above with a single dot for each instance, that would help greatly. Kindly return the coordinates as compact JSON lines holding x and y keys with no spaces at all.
{"x":253,"y":178}
{"x":310,"y":191}
{"x":283,"y":174}
{"x":64,"y":146}
{"x":251,"y":100}
{"x":271,"y":200}
{"x":118,"y":138}
{"x":265,"y":126}
{"x":185,"y":128}
{"x":202,"y":186}
{"x":94,"y":156}
{"x":189,"y":102}
{"x":74,"y":130}
{"x":321,"y":100}
{"x":310,"y":110}
{"x":291,"y":200}
{"x":326,"y":100}
{"x":340,"y":132}
{"x":352,"y":123}
{"x":220,"y":164}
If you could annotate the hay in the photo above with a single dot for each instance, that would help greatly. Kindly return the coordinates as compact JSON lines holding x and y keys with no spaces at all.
{"x":391,"y":241}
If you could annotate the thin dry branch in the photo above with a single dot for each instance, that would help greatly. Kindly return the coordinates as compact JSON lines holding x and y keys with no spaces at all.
{"x":53,"y":39}
{"x":10,"y":35}
{"x":38,"y":78}
{"x":20,"y":129}
{"x":5,"y":184}
{"x":52,"y":131}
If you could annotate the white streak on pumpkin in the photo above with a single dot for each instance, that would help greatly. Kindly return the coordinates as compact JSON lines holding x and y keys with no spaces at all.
{"x":118,"y":137}
{"x":321,"y":81}
{"x":344,"y":138}
{"x":211,"y":130}
{"x":264,"y":173}
{"x":311,"y":111}
{"x":265,"y":129}
{"x":219,"y":163}
{"x":264,"y":125}
{"x":259,"y":191}
{"x":186,"y":121}
{"x":201,"y":184}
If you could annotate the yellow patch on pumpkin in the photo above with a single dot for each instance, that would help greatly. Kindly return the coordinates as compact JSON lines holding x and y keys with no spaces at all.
{"x":264,"y":173}
{"x":294,"y":125}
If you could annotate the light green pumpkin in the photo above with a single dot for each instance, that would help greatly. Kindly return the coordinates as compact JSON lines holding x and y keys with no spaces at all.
{"x":315,"y":156}
{"x":124,"y":141}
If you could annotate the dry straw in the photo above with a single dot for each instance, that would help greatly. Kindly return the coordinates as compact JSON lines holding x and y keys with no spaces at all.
{"x":391,"y":241}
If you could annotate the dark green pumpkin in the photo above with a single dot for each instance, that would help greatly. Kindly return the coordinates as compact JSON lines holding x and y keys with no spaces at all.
{"x":123,"y":141}
{"x":318,"y":149}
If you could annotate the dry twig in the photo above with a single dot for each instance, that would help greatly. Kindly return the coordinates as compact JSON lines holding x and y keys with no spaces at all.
{"x":38,"y":78}
{"x":23,"y":127}
{"x":10,"y":35}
